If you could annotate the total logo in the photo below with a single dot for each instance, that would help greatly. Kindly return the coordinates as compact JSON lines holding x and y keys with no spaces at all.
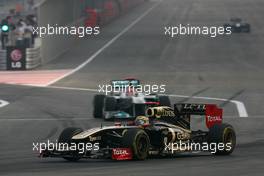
{"x":213,"y":118}
{"x":16,"y":56}
{"x":120,"y":152}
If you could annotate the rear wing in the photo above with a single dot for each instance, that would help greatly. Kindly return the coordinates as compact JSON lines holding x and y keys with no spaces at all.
{"x":125,"y":83}
{"x":213,"y":114}
{"x":181,"y":114}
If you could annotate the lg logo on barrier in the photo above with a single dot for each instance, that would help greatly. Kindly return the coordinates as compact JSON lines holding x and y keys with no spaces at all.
{"x":16,"y":56}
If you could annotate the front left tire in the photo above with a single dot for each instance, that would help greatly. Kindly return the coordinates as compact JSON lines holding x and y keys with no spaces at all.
{"x":98,"y":104}
{"x":138,"y":141}
{"x":66,"y":138}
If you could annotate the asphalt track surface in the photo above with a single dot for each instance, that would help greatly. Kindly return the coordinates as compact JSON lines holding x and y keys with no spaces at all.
{"x":229,"y":67}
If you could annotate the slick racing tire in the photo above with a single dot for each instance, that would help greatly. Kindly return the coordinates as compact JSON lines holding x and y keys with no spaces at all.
{"x":110,"y":104}
{"x":66,"y":137}
{"x":98,"y":104}
{"x":138,"y":141}
{"x":164,"y":101}
{"x":246,"y":28}
{"x":222,"y":134}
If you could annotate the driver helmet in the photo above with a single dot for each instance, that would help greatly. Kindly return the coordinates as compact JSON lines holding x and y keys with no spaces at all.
{"x":142,"y":121}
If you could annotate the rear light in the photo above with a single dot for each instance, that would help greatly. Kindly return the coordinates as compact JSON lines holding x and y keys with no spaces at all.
{"x":152,"y":103}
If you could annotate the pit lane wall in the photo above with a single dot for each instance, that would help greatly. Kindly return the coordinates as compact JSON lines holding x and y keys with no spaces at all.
{"x":76,"y":13}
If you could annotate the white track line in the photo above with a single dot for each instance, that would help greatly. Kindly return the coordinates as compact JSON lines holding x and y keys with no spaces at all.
{"x":90,"y":59}
{"x":241,"y":108}
{"x":72,"y":88}
{"x":242,"y":112}
{"x":3,"y":103}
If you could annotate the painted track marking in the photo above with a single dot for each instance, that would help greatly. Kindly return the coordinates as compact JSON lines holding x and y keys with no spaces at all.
{"x":242,"y":111}
{"x":241,"y":108}
{"x":3,"y":103}
{"x":32,"y":77}
{"x":91,"y":58}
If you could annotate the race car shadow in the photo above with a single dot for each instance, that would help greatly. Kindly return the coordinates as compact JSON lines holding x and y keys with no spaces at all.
{"x":105,"y":161}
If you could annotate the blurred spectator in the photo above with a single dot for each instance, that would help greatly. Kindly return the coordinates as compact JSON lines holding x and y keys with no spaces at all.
{"x":20,"y":32}
{"x":32,"y":22}
{"x":27,"y":38}
{"x":12,"y":37}
{"x":12,"y":27}
{"x":19,"y":8}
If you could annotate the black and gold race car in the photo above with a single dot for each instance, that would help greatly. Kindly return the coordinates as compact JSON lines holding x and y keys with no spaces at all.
{"x":162,"y":131}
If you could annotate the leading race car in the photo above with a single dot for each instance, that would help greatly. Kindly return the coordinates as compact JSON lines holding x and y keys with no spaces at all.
{"x":124,"y":102}
{"x":163,"y":131}
{"x":238,"y":26}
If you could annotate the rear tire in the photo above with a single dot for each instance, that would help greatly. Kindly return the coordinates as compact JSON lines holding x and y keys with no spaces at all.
{"x":247,"y":28}
{"x":225,"y":134}
{"x":164,"y":101}
{"x":66,"y":137}
{"x":98,"y":104}
{"x":138,"y":141}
